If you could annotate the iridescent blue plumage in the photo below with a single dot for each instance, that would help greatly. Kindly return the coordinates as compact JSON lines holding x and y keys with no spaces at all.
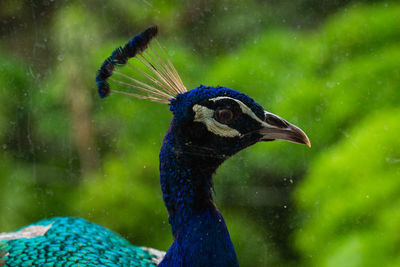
{"x":188,"y":159}
{"x":181,"y":104}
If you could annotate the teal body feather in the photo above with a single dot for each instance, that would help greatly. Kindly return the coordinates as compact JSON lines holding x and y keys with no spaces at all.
{"x":73,"y":242}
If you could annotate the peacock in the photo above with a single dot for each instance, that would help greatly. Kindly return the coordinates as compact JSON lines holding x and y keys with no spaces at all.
{"x":209,"y":125}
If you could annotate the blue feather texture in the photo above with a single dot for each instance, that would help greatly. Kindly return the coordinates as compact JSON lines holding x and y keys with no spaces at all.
{"x":187,"y":165}
{"x":182,"y":103}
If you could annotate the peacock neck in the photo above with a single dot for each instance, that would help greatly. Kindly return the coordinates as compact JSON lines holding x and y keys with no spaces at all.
{"x":200,"y":233}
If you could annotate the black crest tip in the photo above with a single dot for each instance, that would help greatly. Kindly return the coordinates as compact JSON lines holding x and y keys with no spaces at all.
{"x":103,"y":88}
{"x":151,"y":32}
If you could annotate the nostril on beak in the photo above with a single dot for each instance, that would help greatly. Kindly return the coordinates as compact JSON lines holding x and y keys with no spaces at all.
{"x":276,"y":121}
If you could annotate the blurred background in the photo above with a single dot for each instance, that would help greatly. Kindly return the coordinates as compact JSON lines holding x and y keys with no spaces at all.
{"x":330,"y":67}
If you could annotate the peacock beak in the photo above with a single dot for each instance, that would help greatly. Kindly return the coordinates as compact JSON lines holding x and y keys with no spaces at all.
{"x":277,"y":128}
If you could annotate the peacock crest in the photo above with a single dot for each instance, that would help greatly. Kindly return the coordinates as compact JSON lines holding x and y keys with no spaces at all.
{"x":161,"y":80}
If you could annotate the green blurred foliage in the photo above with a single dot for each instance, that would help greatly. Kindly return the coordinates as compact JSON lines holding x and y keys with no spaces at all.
{"x":333,"y":68}
{"x":349,"y":199}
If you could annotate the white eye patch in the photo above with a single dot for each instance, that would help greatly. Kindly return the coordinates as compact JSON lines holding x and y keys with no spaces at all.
{"x":246,"y":110}
{"x":206,"y":116}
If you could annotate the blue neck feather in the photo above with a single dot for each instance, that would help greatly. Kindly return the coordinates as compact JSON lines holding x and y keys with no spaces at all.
{"x":200,"y":234}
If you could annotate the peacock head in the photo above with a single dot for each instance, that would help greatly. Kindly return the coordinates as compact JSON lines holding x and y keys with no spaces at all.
{"x":224,"y":121}
{"x":213,"y":121}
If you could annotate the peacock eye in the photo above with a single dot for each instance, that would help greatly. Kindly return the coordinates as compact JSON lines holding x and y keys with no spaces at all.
{"x":224,"y":116}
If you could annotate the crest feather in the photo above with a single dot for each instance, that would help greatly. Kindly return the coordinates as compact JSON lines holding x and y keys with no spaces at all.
{"x":162,"y":82}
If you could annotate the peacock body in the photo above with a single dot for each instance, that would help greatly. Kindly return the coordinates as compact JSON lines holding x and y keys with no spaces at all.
{"x":72,"y":242}
{"x":209,"y":125}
